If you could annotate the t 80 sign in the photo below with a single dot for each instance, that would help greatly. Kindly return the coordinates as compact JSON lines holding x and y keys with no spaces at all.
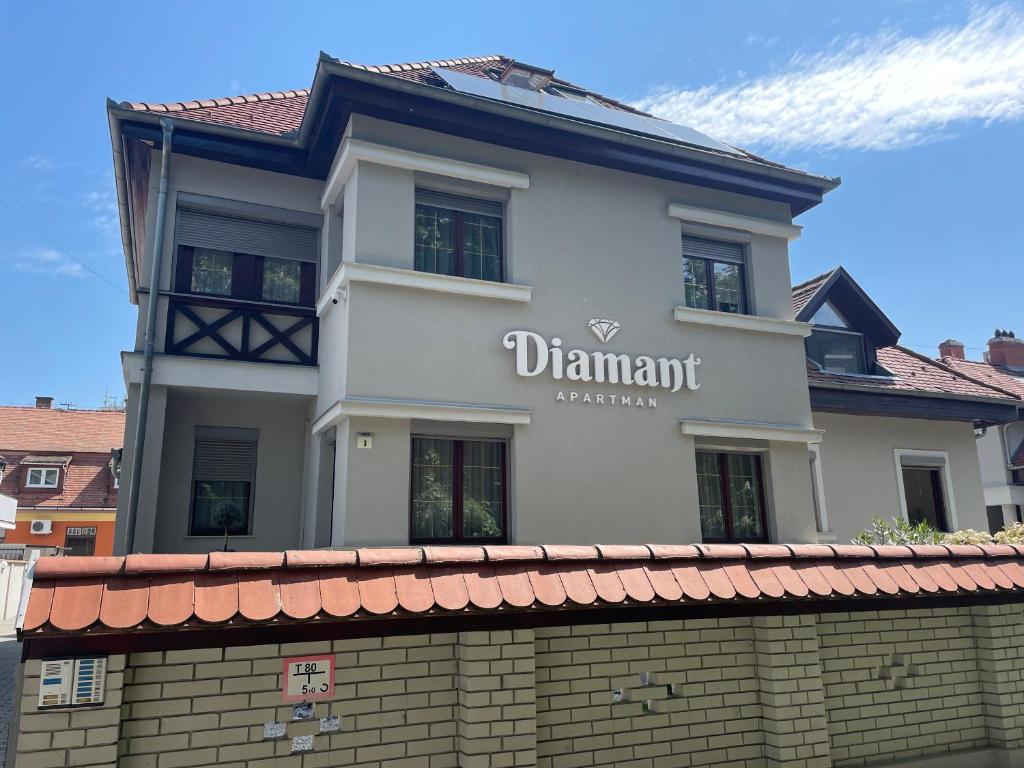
{"x":308,"y":678}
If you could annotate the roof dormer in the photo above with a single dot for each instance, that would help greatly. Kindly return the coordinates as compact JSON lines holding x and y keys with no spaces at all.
{"x":847,"y":326}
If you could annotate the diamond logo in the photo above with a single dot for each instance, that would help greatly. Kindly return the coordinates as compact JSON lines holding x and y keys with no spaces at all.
{"x":604,"y":329}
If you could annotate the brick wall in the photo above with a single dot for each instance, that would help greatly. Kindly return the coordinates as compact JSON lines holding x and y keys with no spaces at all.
{"x":766,"y":692}
{"x":395,"y":697}
{"x":900,"y":684}
{"x":618,"y":693}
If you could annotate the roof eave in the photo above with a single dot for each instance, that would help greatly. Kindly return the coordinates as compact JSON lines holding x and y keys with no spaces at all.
{"x":869,"y":388}
{"x":329,"y":65}
{"x":121,"y":186}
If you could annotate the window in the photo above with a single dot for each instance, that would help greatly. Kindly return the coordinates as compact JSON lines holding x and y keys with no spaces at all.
{"x":995,"y":518}
{"x":922,"y":488}
{"x":42,"y":477}
{"x":458,"y":490}
{"x":837,"y":351}
{"x":832,"y":344}
{"x":458,"y":236}
{"x":714,"y":275}
{"x":731,"y":497}
{"x":229,"y":257}
{"x":211,"y":272}
{"x":223,"y":476}
{"x":80,"y":541}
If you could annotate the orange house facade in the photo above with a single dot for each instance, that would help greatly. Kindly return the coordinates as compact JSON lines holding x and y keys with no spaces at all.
{"x":58,"y":467}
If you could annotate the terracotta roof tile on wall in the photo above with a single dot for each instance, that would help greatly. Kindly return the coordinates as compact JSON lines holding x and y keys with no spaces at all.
{"x":148,"y":593}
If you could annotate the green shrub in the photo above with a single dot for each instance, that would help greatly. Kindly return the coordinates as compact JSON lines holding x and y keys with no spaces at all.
{"x":898,"y":532}
{"x":902,"y":532}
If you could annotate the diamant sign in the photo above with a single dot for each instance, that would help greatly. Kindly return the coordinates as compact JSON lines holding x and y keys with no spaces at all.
{"x":535,"y":355}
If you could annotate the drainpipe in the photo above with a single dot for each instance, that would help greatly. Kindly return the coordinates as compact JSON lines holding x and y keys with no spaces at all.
{"x":147,"y":360}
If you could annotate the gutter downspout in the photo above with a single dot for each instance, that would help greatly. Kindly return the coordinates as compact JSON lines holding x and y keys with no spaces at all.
{"x":147,"y":365}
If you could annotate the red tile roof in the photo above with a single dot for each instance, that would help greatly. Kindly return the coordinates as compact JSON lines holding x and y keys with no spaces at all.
{"x":280,"y":113}
{"x":805,"y":291}
{"x":911,"y":373}
{"x":60,"y":431}
{"x":86,"y":482}
{"x":992,"y":375}
{"x":104,"y":595}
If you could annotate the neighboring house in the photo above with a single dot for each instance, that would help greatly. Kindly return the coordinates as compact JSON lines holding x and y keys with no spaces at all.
{"x":56,"y":465}
{"x":468,"y":301}
{"x":1000,"y":448}
{"x":899,"y":428}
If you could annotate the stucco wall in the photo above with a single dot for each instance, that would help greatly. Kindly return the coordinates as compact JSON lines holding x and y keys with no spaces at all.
{"x":281,"y":422}
{"x":859,"y":468}
{"x":935,"y":687}
{"x":592,"y":243}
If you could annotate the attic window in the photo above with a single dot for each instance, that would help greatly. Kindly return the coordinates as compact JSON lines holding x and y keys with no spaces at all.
{"x":525,"y":76}
{"x":42,"y":477}
{"x":828,"y":315}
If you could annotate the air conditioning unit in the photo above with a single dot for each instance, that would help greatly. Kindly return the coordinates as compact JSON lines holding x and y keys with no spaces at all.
{"x":42,"y":526}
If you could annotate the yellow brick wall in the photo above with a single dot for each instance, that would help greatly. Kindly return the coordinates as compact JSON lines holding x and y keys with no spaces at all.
{"x":900,"y":684}
{"x":712,"y":714}
{"x":839,"y":689}
{"x":395,"y":696}
{"x":79,"y":736}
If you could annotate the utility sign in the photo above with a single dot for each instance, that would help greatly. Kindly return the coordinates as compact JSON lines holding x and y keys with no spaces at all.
{"x":308,"y":678}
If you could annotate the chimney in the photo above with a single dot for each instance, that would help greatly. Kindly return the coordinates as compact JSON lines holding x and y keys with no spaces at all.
{"x":44,"y":402}
{"x":1004,"y":349}
{"x":952,"y":348}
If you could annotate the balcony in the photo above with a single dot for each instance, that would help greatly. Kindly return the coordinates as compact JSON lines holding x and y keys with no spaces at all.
{"x":199,"y":326}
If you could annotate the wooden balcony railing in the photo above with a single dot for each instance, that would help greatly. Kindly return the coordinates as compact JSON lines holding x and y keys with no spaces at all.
{"x":200,"y":326}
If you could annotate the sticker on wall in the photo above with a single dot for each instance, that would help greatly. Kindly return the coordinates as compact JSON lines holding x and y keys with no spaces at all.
{"x":72,"y":682}
{"x":308,"y":678}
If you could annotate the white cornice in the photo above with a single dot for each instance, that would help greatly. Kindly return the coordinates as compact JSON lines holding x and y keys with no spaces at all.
{"x":354,"y":151}
{"x":739,"y":221}
{"x":231,"y":375}
{"x":352,"y":272}
{"x":384,"y":408}
{"x":750,"y":430}
{"x":741,"y":322}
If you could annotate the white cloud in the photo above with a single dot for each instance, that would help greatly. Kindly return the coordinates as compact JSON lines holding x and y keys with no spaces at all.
{"x":880,"y":93}
{"x":49,"y":262}
{"x":38,"y":163}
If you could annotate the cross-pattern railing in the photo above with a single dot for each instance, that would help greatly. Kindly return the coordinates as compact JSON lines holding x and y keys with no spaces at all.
{"x":224,"y":328}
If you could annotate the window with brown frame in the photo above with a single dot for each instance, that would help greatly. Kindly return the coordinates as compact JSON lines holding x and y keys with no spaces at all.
{"x":458,"y":491}
{"x":225,"y":274}
{"x":458,"y":236}
{"x":730,"y":489}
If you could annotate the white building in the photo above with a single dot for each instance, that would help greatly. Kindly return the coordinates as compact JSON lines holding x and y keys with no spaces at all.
{"x":467,"y":301}
{"x":1001,"y":447}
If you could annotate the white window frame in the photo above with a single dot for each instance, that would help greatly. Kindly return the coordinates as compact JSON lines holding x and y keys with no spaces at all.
{"x":814,"y":454}
{"x":933,"y":458}
{"x":43,"y":484}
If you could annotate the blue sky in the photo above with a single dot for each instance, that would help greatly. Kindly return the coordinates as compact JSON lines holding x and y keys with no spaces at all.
{"x":919,"y":106}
